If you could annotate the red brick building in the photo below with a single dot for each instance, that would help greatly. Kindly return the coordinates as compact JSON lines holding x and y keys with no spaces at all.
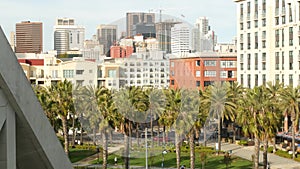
{"x":120,"y":51}
{"x":202,"y":70}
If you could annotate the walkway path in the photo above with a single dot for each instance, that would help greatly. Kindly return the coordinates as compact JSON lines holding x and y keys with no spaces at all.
{"x":276,"y":162}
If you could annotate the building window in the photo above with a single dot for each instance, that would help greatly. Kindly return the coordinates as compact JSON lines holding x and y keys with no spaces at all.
{"x":264,"y":79}
{"x":291,"y":36}
{"x":291,"y":80}
{"x":291,"y":60}
{"x":248,"y":61}
{"x":223,"y":74}
{"x":282,"y":60}
{"x":277,"y":77}
{"x":256,"y":23}
{"x":242,"y":66}
{"x":276,"y":20}
{"x":79,"y":82}
{"x":198,"y":83}
{"x":264,"y":22}
{"x":256,"y":61}
{"x":79,"y":72}
{"x":172,"y":64}
{"x":228,"y":64}
{"x":197,"y":62}
{"x":249,"y":81}
{"x":172,"y":82}
{"x":282,"y":37}
{"x":282,"y":78}
{"x":256,"y":80}
{"x":242,"y":79}
{"x":248,"y":25}
{"x":68,"y":73}
{"x":210,"y":63}
{"x":112,"y":73}
{"x":283,"y":19}
{"x":91,"y":71}
{"x":256,"y":40}
{"x":210,"y":73}
{"x":277,"y":38}
{"x":277,"y":61}
{"x":242,"y":26}
{"x":248,"y":40}
{"x":197,"y":73}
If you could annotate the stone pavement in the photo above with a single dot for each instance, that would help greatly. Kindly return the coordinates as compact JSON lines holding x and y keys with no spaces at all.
{"x":276,"y":162}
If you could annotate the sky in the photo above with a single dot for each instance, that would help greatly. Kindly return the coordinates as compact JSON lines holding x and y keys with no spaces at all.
{"x":90,"y":13}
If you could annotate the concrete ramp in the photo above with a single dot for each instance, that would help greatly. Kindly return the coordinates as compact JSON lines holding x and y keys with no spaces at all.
{"x":27,"y":140}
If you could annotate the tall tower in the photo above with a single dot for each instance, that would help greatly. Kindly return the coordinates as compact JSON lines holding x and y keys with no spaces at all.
{"x":107,"y":36}
{"x":268,"y":42}
{"x":180,"y":39}
{"x":29,"y":37}
{"x":68,"y":36}
{"x":140,"y":22}
{"x":163,"y":34}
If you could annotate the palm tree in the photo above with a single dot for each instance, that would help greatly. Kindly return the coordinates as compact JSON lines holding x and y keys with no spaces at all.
{"x":173,"y":110}
{"x":222,"y":105}
{"x":107,"y":109}
{"x":290,"y":102}
{"x":157,"y":103}
{"x":61,"y":95}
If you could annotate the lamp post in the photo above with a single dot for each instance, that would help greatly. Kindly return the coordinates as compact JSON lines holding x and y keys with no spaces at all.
{"x":163,"y":158}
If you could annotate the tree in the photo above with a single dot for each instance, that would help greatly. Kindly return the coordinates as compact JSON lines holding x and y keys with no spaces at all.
{"x":172,"y":112}
{"x":290,"y":98}
{"x":221,"y":103}
{"x":61,"y":95}
{"x":107,"y":110}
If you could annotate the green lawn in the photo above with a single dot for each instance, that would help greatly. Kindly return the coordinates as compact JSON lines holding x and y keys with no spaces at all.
{"x":212,"y":161}
{"x":79,"y":154}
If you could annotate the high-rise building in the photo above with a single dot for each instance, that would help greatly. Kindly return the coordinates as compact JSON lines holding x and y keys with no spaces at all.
{"x":203,"y":39}
{"x":268,"y":42}
{"x":163,"y":34}
{"x":68,"y":36}
{"x":107,"y":36}
{"x":180,"y":39}
{"x":29,"y":37}
{"x":140,"y":22}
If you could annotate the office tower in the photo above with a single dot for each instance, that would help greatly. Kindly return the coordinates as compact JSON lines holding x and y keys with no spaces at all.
{"x":268,"y":41}
{"x":29,"y":37}
{"x":163,"y":34}
{"x":203,"y":39}
{"x":140,"y":23}
{"x":67,"y":35}
{"x":180,"y":42}
{"x":107,"y":36}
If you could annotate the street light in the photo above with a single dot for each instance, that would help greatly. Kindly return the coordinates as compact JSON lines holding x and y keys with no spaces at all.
{"x":163,"y":158}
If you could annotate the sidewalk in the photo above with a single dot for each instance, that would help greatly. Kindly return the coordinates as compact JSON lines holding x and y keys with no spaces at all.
{"x":276,"y":162}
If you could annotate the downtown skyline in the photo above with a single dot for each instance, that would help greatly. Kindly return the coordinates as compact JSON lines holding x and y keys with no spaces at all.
{"x":91,"y":13}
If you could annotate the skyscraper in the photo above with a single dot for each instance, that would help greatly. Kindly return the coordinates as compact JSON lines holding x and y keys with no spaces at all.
{"x":268,"y":42}
{"x":107,"y":36}
{"x":140,"y":22}
{"x":180,"y":39}
{"x":67,"y":35}
{"x":29,"y":37}
{"x":163,"y":34}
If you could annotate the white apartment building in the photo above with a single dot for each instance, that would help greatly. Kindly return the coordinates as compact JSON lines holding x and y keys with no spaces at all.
{"x":149,"y":69}
{"x":180,"y":39}
{"x":268,"y":42}
{"x":68,"y":36}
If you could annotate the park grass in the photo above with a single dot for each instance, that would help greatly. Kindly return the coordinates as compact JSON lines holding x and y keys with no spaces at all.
{"x":79,"y":154}
{"x":212,"y":161}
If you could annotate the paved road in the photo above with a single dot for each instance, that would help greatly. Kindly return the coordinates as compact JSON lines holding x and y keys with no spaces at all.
{"x":246,"y":152}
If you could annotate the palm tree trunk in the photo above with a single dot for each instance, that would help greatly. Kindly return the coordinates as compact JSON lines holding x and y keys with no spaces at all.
{"x":293,"y":138}
{"x":164,"y":136}
{"x":204,"y":135}
{"x":151,"y":125}
{"x":265,"y":153}
{"x":73,"y":130}
{"x":192,"y":149}
{"x":66,"y":134}
{"x":137,"y":134}
{"x":130,"y":133}
{"x":126,"y":141}
{"x":177,"y":147}
{"x":256,"y":153}
{"x":104,"y":151}
{"x":219,"y":136}
{"x":274,"y":145}
{"x":94,"y":136}
{"x":81,"y":134}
